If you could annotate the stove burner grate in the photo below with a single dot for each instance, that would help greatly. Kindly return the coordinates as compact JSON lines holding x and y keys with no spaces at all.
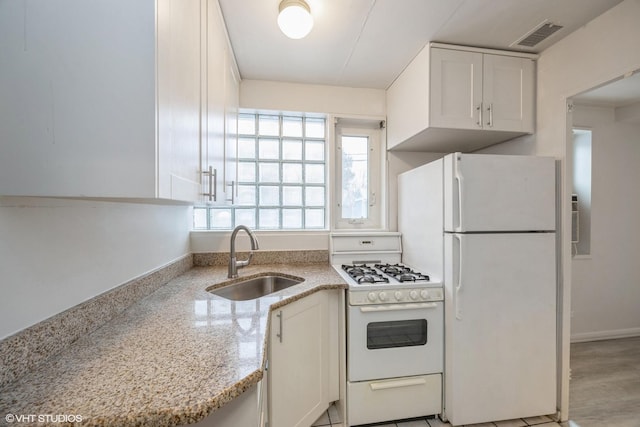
{"x":362,"y":273}
{"x":402,"y":273}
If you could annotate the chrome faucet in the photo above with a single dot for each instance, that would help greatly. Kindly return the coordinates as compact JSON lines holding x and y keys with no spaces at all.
{"x":234,"y":264}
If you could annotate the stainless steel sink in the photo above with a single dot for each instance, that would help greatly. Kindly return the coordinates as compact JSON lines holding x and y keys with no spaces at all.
{"x":255,"y":287}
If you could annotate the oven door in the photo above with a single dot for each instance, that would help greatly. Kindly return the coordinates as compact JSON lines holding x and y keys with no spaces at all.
{"x":394,"y":340}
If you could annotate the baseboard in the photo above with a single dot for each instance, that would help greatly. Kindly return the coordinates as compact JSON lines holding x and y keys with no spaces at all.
{"x":605,"y":335}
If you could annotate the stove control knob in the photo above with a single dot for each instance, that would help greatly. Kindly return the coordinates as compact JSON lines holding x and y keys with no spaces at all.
{"x":382,"y":296}
{"x":398,"y":295}
{"x":413,"y":294}
{"x":424,"y":294}
{"x":371,"y":296}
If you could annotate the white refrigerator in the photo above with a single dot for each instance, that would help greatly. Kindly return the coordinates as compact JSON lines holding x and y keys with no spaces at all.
{"x":485,"y":225}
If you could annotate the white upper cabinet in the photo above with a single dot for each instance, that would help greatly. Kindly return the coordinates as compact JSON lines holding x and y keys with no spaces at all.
{"x":232,"y":103}
{"x":178,"y":85}
{"x":508,"y":93}
{"x":221,"y":102}
{"x":456,"y":89}
{"x":453,"y":98}
{"x":105,"y":98}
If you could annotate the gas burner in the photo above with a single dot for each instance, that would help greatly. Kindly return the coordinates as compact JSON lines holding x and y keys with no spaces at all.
{"x":402,"y":273}
{"x":411,"y":277}
{"x":362,"y":273}
{"x":393,"y":269}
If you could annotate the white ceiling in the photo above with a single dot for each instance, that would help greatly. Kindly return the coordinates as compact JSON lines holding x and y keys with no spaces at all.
{"x":367,"y":43}
{"x":619,"y":93}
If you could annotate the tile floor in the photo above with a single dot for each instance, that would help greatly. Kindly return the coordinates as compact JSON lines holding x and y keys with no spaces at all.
{"x":605,"y":374}
{"x":332,"y":418}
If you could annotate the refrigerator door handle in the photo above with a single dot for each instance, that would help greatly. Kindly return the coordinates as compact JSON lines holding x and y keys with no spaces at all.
{"x":459,"y":187}
{"x":458,"y":282}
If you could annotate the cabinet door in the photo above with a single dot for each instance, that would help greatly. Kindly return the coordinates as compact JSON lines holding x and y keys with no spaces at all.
{"x":214,"y":110}
{"x":508,"y":93}
{"x":456,"y":89}
{"x":299,"y":362}
{"x":232,"y":103}
{"x":179,"y":108}
{"x":78,"y":108}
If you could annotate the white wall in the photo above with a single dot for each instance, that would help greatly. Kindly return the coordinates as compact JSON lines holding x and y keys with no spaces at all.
{"x":280,"y":96}
{"x":606,"y":285}
{"x":600,"y":51}
{"x":57,"y":253}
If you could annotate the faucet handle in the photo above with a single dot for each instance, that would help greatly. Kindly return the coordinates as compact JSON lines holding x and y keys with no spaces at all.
{"x":244,"y":263}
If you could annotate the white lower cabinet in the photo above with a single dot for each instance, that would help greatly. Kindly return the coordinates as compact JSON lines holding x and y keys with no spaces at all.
{"x":304,"y":369}
{"x":303,"y":360}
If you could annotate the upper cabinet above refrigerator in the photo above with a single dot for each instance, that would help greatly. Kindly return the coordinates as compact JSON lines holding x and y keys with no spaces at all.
{"x":456,"y":98}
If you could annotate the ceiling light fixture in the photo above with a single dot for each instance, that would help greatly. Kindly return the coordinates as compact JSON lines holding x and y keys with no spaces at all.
{"x":295,"y":18}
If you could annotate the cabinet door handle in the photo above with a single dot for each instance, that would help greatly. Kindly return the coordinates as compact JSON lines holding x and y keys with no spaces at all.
{"x":490,"y":110}
{"x":279,"y":334}
{"x":479,"y":110}
{"x":213,"y":183}
{"x":233,"y":187}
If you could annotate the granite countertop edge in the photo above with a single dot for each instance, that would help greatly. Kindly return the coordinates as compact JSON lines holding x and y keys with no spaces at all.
{"x":47,"y":390}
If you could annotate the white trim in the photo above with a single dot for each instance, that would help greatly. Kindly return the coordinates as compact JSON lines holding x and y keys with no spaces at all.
{"x":605,"y":335}
{"x":484,"y":50}
{"x":377,"y":173}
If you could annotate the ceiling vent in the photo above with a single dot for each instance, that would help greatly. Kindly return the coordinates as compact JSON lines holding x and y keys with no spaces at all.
{"x":538,"y":34}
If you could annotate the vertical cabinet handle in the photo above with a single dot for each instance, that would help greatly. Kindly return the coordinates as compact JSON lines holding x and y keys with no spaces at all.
{"x":233,"y":187}
{"x":279,"y":334}
{"x":479,"y":110}
{"x":213,"y":183}
{"x":490,"y":110}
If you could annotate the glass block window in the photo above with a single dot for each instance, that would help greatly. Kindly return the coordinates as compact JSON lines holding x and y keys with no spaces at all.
{"x":281,"y":170}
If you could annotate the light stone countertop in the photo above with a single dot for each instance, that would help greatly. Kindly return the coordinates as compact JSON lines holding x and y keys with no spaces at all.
{"x":170,"y":359}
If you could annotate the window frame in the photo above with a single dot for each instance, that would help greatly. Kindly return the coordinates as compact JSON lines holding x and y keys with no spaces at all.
{"x":373,"y":129}
{"x":582,"y":187}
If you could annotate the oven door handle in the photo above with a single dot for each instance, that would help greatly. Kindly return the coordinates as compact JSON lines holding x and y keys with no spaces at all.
{"x":397,"y":307}
{"x":397,"y":384}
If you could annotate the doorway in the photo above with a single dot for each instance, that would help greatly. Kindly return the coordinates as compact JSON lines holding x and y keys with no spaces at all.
{"x":605,"y":284}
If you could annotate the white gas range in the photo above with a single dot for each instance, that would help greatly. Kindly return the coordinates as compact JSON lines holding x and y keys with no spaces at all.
{"x":386,"y":283}
{"x":395,"y":326}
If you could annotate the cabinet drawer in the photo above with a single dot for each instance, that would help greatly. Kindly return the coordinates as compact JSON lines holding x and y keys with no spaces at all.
{"x":383,"y":400}
{"x":366,"y":242}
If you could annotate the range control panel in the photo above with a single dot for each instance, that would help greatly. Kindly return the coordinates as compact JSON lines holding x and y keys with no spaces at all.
{"x":395,"y":296}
